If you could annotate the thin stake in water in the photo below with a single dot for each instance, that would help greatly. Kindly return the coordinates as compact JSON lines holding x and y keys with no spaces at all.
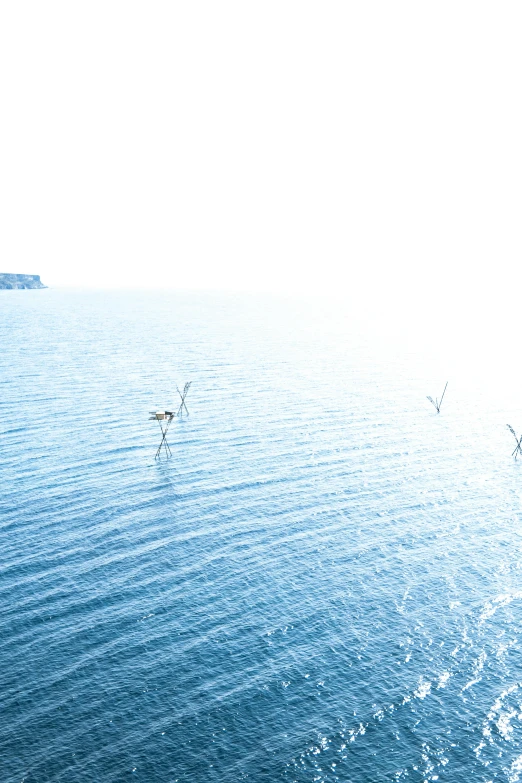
{"x":437,"y":403}
{"x":518,"y":447}
{"x":183,"y":396}
{"x":164,"y":419}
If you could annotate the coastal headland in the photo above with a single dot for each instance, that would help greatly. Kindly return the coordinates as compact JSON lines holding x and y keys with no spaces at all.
{"x":20,"y":281}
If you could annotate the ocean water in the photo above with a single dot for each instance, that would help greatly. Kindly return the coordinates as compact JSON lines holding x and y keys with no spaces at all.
{"x":322,"y":584}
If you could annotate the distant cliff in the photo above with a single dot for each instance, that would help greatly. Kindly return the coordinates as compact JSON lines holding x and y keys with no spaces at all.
{"x":20,"y":281}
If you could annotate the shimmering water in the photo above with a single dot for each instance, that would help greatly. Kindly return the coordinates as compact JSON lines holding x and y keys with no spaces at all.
{"x":323,"y":584}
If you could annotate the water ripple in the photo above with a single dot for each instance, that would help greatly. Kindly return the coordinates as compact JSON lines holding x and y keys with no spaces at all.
{"x":322,"y":584}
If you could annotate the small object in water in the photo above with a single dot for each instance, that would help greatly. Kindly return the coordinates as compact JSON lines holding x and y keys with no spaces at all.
{"x":436,"y":403}
{"x":183,"y":403}
{"x":518,"y":447}
{"x":162,"y":416}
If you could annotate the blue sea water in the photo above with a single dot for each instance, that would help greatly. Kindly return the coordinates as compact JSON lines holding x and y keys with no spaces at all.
{"x":323,"y":583}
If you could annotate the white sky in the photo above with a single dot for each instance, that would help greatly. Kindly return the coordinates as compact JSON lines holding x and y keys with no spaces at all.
{"x":368,"y":149}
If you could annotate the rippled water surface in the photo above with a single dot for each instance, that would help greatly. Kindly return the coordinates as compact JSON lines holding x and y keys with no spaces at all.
{"x":323,"y":583}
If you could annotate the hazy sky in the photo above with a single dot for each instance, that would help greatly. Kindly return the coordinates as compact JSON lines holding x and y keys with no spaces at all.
{"x":367,"y":149}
